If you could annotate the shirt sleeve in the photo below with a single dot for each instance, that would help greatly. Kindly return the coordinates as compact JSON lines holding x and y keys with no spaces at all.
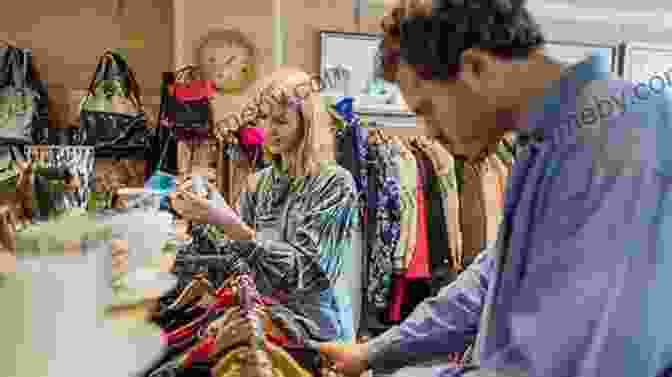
{"x":314,"y":256}
{"x":440,"y":324}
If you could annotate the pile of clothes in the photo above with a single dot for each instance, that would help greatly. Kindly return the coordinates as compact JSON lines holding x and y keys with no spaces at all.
{"x":204,"y":322}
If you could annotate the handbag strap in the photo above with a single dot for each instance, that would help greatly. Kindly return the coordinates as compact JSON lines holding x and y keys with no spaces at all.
{"x":133,"y":89}
{"x":15,"y":68}
{"x":16,"y":154}
{"x":188,"y":73}
{"x":23,"y":58}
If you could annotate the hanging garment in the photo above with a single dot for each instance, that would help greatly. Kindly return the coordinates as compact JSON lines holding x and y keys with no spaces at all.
{"x":23,"y":99}
{"x":418,"y":262}
{"x":481,"y":210}
{"x":492,"y":198}
{"x":388,"y":217}
{"x":408,"y":209}
{"x":352,"y":153}
{"x":372,"y":317}
{"x":408,"y":230}
{"x":472,"y":211}
{"x":441,"y":267}
{"x":447,"y":185}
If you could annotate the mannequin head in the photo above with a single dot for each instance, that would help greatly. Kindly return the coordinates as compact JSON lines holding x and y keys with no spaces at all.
{"x":467,"y":68}
{"x":288,"y":105}
{"x":227,"y":58}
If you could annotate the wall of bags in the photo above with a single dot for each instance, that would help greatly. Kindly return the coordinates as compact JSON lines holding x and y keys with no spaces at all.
{"x":71,"y":34}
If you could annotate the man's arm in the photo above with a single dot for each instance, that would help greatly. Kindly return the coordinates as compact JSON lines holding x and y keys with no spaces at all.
{"x":440,"y":324}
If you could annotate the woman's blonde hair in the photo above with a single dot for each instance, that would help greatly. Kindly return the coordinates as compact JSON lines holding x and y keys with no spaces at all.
{"x":291,"y":87}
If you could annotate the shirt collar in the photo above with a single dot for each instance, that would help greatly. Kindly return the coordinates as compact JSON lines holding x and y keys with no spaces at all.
{"x":560,"y":99}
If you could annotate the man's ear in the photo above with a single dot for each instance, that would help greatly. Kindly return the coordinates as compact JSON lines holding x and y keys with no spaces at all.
{"x":408,"y":75}
{"x":476,"y":69}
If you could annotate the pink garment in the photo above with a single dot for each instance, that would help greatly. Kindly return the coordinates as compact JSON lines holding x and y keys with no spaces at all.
{"x":419,"y":266}
{"x":252,"y":135}
{"x":223,"y":216}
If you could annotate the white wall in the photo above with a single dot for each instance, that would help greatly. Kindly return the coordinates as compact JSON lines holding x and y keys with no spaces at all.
{"x":605,"y":21}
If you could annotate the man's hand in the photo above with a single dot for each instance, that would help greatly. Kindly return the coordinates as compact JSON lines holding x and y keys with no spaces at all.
{"x":192,"y":207}
{"x":347,"y":358}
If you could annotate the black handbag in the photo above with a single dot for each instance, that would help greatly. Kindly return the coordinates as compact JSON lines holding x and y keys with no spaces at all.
{"x":192,"y":111}
{"x":163,"y":149}
{"x":18,"y":79}
{"x":115,"y":135}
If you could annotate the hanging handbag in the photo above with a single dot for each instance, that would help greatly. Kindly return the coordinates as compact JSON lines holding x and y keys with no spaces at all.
{"x":23,"y":118}
{"x":163,"y":149}
{"x":188,"y":106}
{"x":112,"y":117}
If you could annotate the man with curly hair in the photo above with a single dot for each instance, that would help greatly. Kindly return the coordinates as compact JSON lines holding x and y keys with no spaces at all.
{"x":576,"y":285}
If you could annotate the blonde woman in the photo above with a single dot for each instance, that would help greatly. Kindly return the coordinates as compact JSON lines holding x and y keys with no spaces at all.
{"x":295,"y":219}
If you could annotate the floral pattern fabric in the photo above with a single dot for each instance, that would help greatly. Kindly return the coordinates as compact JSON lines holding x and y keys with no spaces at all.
{"x":383,"y":161}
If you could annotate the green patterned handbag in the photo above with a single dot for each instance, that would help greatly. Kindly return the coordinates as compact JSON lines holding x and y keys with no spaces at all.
{"x":17,"y":98}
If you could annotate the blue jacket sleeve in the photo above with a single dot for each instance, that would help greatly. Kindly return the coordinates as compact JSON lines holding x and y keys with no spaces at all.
{"x":440,"y":324}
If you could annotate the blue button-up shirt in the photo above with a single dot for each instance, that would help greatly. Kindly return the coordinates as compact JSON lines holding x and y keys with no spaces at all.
{"x":579,"y":283}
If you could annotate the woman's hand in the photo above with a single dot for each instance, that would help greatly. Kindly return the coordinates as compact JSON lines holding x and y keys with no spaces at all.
{"x":347,"y":358}
{"x":192,"y":207}
{"x":231,"y":329}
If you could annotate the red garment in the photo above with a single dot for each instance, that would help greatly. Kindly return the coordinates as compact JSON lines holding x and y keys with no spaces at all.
{"x":224,"y":298}
{"x":279,"y":340}
{"x":200,"y":352}
{"x":419,"y":266}
{"x":195,"y":90}
{"x":398,"y":297}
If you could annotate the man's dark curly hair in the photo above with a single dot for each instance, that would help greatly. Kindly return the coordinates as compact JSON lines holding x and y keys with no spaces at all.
{"x":431,"y":35}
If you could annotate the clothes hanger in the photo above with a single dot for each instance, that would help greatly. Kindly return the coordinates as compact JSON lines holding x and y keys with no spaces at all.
{"x":198,"y":287}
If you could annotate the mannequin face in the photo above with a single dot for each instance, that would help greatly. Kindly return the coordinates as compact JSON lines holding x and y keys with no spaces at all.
{"x":284,"y":131}
{"x":228,"y":64}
